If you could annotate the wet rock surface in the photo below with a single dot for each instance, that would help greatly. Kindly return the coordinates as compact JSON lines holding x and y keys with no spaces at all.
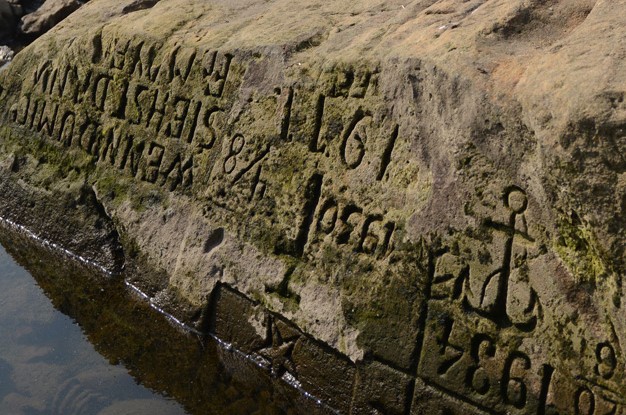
{"x":421,"y":201}
{"x":196,"y":371}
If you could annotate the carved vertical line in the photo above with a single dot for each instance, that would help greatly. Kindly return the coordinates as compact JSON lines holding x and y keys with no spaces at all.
{"x":389,"y":228}
{"x":313,"y":193}
{"x":257,"y":184}
{"x":319,"y":116}
{"x":285,"y":122}
{"x":548,"y":372}
{"x":194,"y":122}
{"x":386,"y":158}
{"x":229,"y":59}
{"x":421,"y":323}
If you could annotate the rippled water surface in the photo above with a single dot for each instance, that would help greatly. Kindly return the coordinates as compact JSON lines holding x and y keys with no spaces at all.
{"x":47,"y":366}
{"x":75,"y":342}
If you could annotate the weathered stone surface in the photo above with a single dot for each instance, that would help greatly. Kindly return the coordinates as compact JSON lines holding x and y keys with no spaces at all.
{"x":380,"y":389}
{"x":236,"y":319}
{"x":434,"y":186}
{"x":324,"y":373}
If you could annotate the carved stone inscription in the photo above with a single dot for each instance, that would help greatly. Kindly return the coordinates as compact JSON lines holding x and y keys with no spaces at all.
{"x":483,"y":316}
{"x":164,"y":115}
{"x":319,"y":156}
{"x":131,"y":111}
{"x":332,"y":133}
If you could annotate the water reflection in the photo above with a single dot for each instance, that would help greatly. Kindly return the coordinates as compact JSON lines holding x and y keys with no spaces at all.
{"x":48,"y":367}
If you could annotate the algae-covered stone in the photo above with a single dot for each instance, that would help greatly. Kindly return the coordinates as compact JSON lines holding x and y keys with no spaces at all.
{"x":432,"y":189}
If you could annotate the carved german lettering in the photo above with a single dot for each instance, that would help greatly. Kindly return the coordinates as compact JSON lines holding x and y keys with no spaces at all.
{"x":70,"y":87}
{"x":135,"y":154}
{"x":19,"y":111}
{"x":139,"y":97}
{"x":156,"y":113}
{"x":153,"y":163}
{"x":203,"y":133}
{"x":41,"y":75}
{"x":177,"y":173}
{"x":66,"y":129}
{"x":66,"y":101}
{"x":215,"y":70}
{"x":48,"y":118}
{"x":35,"y":112}
{"x":89,"y":131}
{"x":114,"y":52}
{"x":114,"y":148}
{"x":181,"y":60}
{"x":100,"y":91}
{"x":174,"y":128}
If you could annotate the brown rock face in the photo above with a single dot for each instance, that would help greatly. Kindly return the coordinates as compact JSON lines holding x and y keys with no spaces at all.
{"x":48,"y":15}
{"x":420,"y":201}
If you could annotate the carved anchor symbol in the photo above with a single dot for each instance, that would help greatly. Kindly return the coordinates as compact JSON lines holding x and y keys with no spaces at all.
{"x":494,"y":293}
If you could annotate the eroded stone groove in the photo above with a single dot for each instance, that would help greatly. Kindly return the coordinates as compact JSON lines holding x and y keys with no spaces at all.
{"x":394,"y":223}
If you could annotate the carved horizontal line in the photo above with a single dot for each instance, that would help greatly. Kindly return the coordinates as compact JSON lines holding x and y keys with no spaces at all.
{"x":460,"y":397}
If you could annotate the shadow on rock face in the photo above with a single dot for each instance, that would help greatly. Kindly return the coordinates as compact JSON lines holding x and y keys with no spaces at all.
{"x":74,"y":220}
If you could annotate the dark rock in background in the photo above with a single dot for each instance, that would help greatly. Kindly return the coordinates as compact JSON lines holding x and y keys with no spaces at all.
{"x":22,"y":21}
{"x":10,"y":13}
{"x":47,"y":16}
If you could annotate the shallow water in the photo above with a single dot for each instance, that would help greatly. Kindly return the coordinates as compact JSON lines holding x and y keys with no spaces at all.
{"x":76,"y":342}
{"x":47,"y":365}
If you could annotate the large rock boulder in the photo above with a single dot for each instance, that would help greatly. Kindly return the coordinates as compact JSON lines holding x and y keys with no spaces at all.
{"x":405,"y":207}
{"x":47,"y":16}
